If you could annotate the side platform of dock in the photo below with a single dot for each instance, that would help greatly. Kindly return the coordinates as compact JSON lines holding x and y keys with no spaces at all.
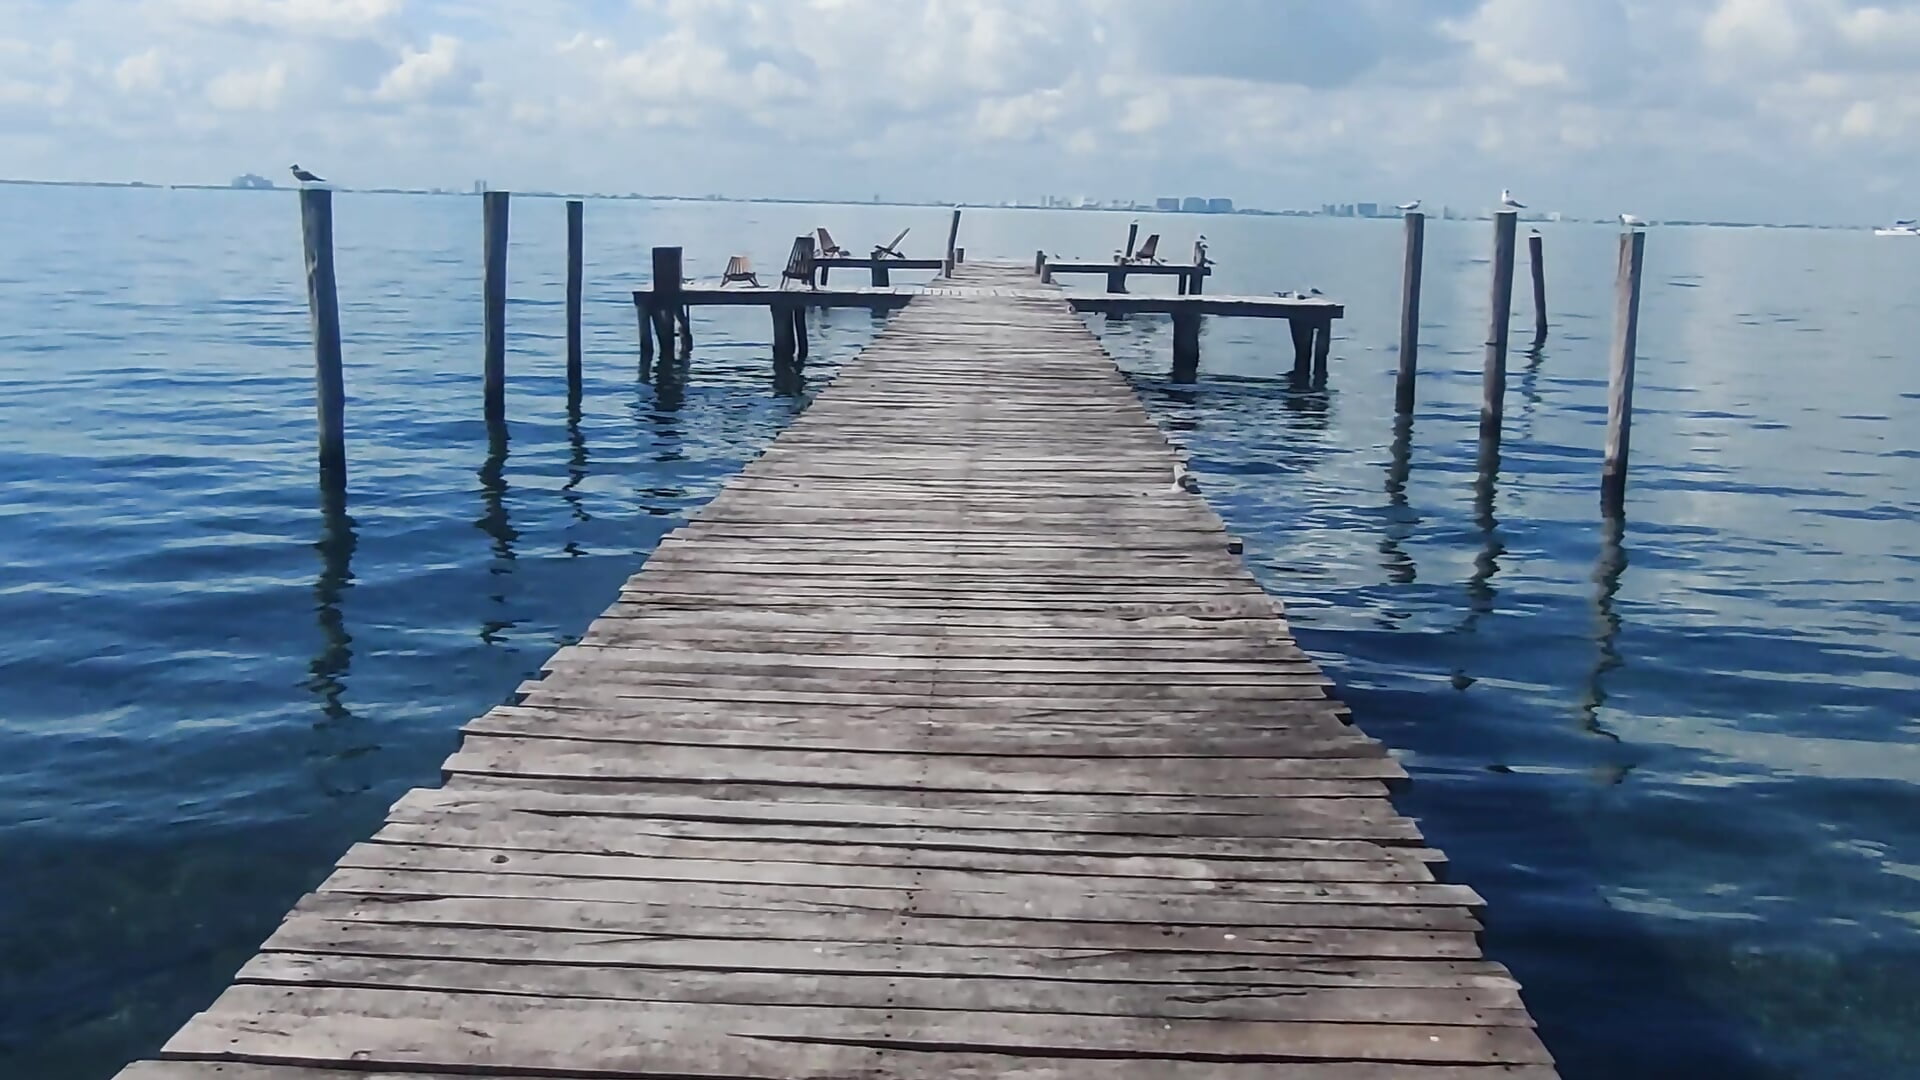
{"x":950,"y":740}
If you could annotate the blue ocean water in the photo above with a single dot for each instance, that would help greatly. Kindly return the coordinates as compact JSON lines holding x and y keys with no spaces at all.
{"x":1678,"y":754}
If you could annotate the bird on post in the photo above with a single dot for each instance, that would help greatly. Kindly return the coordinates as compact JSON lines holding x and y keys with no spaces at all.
{"x":1508,"y":202}
{"x":1632,"y":222}
{"x":304,"y":176}
{"x":1408,"y":207}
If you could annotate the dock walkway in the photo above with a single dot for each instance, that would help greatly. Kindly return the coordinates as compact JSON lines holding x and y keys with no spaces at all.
{"x":948,"y":742}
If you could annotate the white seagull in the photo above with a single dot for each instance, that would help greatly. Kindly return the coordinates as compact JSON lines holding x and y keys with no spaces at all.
{"x":1507,"y":201}
{"x":1632,"y":222}
{"x":304,"y":176}
{"x":1408,"y":206}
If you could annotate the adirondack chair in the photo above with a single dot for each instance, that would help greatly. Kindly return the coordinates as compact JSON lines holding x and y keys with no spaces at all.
{"x":892,"y":251}
{"x":829,"y":249}
{"x":1147,"y":252}
{"x":799,"y":262}
{"x":739,"y":268}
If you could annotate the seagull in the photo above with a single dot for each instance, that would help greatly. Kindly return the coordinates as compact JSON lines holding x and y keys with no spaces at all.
{"x":304,"y":176}
{"x":1509,"y":202}
{"x":1408,"y":206}
{"x":1313,"y":292}
{"x":1632,"y":222}
{"x":1183,"y":480}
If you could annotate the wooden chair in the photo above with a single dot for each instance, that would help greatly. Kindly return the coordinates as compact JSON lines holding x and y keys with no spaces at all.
{"x":739,"y":268}
{"x":799,"y":262}
{"x":1147,"y":252}
{"x":829,"y":249}
{"x":892,"y":251}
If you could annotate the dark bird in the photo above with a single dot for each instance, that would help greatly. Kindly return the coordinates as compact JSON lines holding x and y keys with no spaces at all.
{"x":304,"y":176}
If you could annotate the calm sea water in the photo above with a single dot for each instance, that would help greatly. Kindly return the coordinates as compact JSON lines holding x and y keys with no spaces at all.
{"x":1678,"y":755}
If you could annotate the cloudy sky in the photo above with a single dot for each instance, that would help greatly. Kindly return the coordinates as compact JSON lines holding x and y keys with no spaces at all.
{"x":1773,"y":109}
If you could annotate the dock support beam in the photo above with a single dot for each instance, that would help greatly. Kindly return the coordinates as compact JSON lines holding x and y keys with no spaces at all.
{"x":323,"y":308}
{"x":1116,"y":280}
{"x":1493,"y":375}
{"x":494,"y":290}
{"x":787,"y":329}
{"x":953,"y":237}
{"x":1302,"y":331}
{"x":1626,"y":338}
{"x":1186,"y":345}
{"x":1416,"y":231}
{"x":1536,"y":257}
{"x":645,"y":314}
{"x":1322,"y":345}
{"x":666,"y":299}
{"x":575,"y":261}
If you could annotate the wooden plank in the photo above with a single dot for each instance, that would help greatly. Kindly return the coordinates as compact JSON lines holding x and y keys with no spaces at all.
{"x":829,"y":1061}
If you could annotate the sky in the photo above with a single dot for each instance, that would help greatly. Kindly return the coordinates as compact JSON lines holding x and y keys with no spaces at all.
{"x":1779,"y":110}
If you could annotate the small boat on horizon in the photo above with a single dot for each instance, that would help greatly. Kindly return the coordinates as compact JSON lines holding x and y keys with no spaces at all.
{"x":1899,"y":228}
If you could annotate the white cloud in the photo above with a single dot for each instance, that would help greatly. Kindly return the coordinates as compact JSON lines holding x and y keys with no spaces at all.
{"x":435,"y":73}
{"x":248,"y":88}
{"x":143,"y":72}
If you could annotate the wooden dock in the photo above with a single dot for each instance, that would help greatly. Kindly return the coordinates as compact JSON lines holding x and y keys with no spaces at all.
{"x":949,"y":742}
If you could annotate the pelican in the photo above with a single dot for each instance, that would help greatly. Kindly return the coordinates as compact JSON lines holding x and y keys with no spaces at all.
{"x":1408,"y":206}
{"x":1508,"y":202}
{"x":1632,"y":222}
{"x":304,"y":176}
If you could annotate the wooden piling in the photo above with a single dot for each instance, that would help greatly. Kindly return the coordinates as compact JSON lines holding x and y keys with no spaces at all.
{"x":1116,"y":280}
{"x":881,"y":277}
{"x":1133,"y":233}
{"x":576,"y":211}
{"x":785,"y":320}
{"x":1039,"y":263}
{"x":953,"y":237}
{"x":1493,"y":375}
{"x":645,"y":315}
{"x":1626,"y":336}
{"x":1536,"y":257}
{"x":1186,"y":340}
{"x":1302,"y":330}
{"x":494,"y":288}
{"x":959,"y":256}
{"x":666,"y":297}
{"x":1322,"y":346}
{"x":1416,"y":235}
{"x":323,"y":309}
{"x":1195,"y":281}
{"x":799,"y":332}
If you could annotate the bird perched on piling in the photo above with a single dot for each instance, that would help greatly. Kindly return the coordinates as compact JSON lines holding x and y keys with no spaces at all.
{"x":1409,"y":207}
{"x":304,"y":176}
{"x":1508,"y":202}
{"x":1632,"y":222}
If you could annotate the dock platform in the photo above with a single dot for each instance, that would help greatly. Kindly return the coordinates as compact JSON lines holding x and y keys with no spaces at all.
{"x":950,"y":741}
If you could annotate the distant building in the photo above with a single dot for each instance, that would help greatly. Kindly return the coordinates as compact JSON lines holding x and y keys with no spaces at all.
{"x":1346,"y":209}
{"x":1368,"y":209}
{"x":1328,"y":209}
{"x":1193,"y":204}
{"x":479,"y":187}
{"x":250,"y":182}
{"x":1167,"y":202}
{"x":1219,"y":206}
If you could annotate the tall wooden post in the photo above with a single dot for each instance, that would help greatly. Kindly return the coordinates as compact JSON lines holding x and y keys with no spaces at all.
{"x":1493,"y":375}
{"x":645,"y":314}
{"x":1416,"y":230}
{"x":323,"y":309}
{"x":1626,"y":337}
{"x":1039,"y":262}
{"x":1133,"y":233}
{"x":1186,"y":340}
{"x":666,"y":298}
{"x":953,"y":237}
{"x":1537,"y":258}
{"x":576,"y":211}
{"x":494,"y":288}
{"x":785,"y":316}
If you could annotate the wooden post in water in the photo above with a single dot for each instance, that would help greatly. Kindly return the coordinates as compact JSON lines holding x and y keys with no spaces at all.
{"x":1133,"y":233}
{"x":1039,"y":262}
{"x":785,"y":318}
{"x":881,"y":277}
{"x":1626,"y":338}
{"x":800,"y":331}
{"x":666,"y":298}
{"x":1186,"y":341}
{"x":1302,"y":331}
{"x":1493,"y":374}
{"x":493,"y":212}
{"x":645,"y":315}
{"x":1536,"y":257}
{"x":1322,"y":345}
{"x":1116,"y":280}
{"x":1416,"y":230}
{"x":323,"y":309}
{"x":959,"y":256}
{"x":576,"y":211}
{"x":953,"y":237}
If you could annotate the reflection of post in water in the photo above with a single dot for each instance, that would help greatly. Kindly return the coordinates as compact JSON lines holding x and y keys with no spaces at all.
{"x":789,"y":376}
{"x":1607,"y":571}
{"x":1486,"y":564}
{"x":670,"y":382}
{"x":1530,"y":383}
{"x":576,"y":468}
{"x":1401,"y":520}
{"x":496,"y":524}
{"x":327,"y":673}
